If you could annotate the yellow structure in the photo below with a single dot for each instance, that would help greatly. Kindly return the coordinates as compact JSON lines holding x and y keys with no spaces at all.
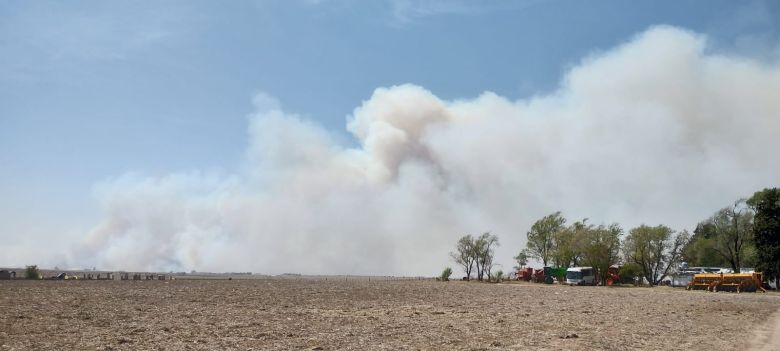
{"x":738,"y":282}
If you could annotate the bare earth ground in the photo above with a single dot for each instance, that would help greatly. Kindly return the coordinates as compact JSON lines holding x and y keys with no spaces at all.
{"x":360,"y":315}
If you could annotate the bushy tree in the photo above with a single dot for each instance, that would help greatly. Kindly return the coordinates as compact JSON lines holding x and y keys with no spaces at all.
{"x":655,"y":249}
{"x":497,"y":277}
{"x":629,"y":271}
{"x":445,"y":274}
{"x":601,"y":248}
{"x":568,"y":243}
{"x":766,"y":232}
{"x":541,"y":236}
{"x":521,"y":259}
{"x":465,"y":254}
{"x":700,"y":249}
{"x":733,"y":233}
{"x":32,"y":272}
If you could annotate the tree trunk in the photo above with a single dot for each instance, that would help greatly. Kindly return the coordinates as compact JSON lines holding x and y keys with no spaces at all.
{"x":733,"y":265}
{"x":777,"y":282}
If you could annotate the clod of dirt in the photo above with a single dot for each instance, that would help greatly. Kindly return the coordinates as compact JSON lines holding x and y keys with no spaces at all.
{"x":495,"y":343}
{"x":318,"y":348}
{"x":570,"y":336}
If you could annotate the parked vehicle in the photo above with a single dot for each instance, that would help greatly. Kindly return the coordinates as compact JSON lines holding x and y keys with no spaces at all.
{"x":581,"y":276}
{"x":524,"y":274}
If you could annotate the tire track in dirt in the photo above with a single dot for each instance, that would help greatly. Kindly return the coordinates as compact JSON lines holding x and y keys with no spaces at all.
{"x":767,"y":338}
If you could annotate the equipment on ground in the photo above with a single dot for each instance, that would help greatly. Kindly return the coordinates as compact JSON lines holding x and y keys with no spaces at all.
{"x":524,"y":274}
{"x":737,"y":282}
{"x":613,"y":275}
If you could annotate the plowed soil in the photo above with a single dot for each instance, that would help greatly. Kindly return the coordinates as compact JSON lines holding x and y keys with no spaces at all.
{"x":361,"y":315}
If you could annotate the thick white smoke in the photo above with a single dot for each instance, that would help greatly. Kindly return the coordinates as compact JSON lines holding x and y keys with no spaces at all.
{"x":659,"y":130}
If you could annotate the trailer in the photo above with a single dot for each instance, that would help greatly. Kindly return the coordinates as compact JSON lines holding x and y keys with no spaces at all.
{"x":736,"y":282}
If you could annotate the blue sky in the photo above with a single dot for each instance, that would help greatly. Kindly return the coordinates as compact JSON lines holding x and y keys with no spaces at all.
{"x":91,"y":90}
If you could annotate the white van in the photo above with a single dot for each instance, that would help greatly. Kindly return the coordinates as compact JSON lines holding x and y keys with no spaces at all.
{"x":581,"y":276}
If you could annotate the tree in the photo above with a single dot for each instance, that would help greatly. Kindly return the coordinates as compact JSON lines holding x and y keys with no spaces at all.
{"x":766,"y":232}
{"x":568,"y":242}
{"x":540,"y":238}
{"x":629,"y":271}
{"x":521,"y":259}
{"x":655,"y":249}
{"x":464,"y":254}
{"x":700,"y":249}
{"x":601,"y":248}
{"x":733,"y":233}
{"x":32,"y":272}
{"x":484,"y":250}
{"x":445,"y":274}
{"x":497,"y":277}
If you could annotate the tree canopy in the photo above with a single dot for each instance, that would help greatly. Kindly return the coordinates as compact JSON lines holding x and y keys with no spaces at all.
{"x":541,"y":236}
{"x":766,"y":231}
{"x":733,"y":233}
{"x":656,"y":250}
{"x":476,"y":253}
{"x":601,"y":248}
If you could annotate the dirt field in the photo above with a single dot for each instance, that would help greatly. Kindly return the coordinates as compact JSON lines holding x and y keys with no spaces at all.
{"x":360,"y":315}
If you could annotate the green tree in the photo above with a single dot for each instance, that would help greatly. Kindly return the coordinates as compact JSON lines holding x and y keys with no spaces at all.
{"x":766,"y":232}
{"x":700,"y":250}
{"x":568,"y":243}
{"x":521,"y":259}
{"x":465,"y":254}
{"x":445,"y":274}
{"x":601,"y":248}
{"x":629,"y":271}
{"x":655,"y":249}
{"x":733,"y":228}
{"x":32,"y":272}
{"x":541,"y":236}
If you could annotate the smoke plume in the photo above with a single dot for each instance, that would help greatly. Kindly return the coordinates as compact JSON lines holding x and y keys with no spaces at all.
{"x":658,"y":130}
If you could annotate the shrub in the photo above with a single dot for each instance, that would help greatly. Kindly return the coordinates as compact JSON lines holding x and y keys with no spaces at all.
{"x":31,"y":272}
{"x":445,"y":274}
{"x":629,"y":271}
{"x":498,"y":276}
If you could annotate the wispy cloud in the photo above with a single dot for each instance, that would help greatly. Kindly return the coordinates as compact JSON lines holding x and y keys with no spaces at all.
{"x":38,"y":35}
{"x":398,"y":13}
{"x":408,"y":10}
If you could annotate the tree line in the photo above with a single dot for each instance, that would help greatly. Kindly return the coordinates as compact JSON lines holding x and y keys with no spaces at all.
{"x":744,"y":234}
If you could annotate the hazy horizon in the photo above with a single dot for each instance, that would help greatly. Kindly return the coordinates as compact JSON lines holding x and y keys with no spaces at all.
{"x":346,"y":137}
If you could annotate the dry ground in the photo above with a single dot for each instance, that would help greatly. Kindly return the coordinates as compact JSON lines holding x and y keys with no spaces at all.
{"x":360,"y":315}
